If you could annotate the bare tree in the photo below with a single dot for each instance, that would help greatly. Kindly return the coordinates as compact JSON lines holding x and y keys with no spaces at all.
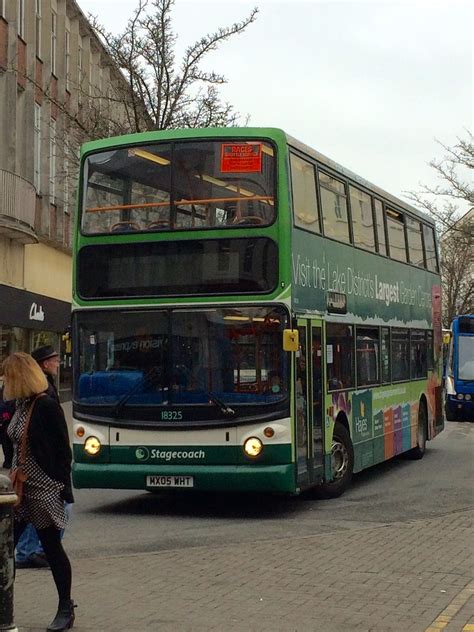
{"x":173,"y":94}
{"x":446,"y":203}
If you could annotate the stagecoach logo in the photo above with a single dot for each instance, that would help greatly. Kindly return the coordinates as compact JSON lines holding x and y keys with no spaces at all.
{"x":142,"y":454}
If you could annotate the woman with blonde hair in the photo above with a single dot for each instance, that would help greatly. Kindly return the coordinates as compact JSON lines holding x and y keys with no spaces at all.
{"x":46,"y":462}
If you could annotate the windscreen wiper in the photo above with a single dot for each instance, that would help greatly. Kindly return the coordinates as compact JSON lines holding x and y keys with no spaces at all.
{"x":225,"y":410}
{"x":124,"y":399}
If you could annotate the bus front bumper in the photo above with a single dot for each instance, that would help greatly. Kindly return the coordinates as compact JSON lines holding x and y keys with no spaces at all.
{"x":459,"y":409}
{"x":221,"y":478}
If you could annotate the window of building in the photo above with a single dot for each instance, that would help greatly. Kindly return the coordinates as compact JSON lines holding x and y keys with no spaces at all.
{"x":54,"y":35}
{"x":52,"y":162}
{"x":37,"y":149}
{"x":305,"y":202}
{"x":100,"y":90}
{"x":400,"y":355}
{"x":396,"y":235}
{"x":340,"y":356}
{"x":67,"y":61}
{"x":13,"y":339}
{"x":66,"y":174}
{"x":418,"y":349}
{"x":38,"y":29}
{"x":90,"y":81}
{"x":379,"y":222}
{"x":362,"y":220}
{"x":80,"y":69}
{"x":21,"y":18}
{"x":415,"y":242}
{"x":334,"y":208}
{"x":385,"y":354}
{"x":430,"y":249}
{"x":368,"y":356}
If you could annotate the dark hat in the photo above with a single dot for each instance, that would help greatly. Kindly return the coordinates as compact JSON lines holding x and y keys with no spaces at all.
{"x":40,"y":354}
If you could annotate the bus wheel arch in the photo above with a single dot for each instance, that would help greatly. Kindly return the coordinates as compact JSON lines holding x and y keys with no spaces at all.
{"x":419,"y":450}
{"x":342,"y":457}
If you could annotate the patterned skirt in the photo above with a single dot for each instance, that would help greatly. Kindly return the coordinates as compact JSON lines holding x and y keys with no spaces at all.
{"x":42,"y":502}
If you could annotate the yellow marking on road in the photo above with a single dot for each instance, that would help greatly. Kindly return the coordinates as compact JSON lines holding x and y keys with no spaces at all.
{"x":444,"y":618}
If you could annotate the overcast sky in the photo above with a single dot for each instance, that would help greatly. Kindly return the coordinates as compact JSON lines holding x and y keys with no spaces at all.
{"x":371,"y":84}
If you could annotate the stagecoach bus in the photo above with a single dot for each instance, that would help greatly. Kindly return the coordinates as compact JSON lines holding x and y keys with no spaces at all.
{"x":459,"y":381}
{"x":248,"y":315}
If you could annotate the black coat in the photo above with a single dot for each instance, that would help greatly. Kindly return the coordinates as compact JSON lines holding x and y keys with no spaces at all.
{"x":49,"y":442}
{"x":52,"y":390}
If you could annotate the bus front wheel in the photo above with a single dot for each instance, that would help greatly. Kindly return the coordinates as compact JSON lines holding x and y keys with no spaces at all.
{"x":342,"y":457}
{"x":419,"y":451}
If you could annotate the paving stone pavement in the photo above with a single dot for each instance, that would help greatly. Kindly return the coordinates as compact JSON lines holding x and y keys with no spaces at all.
{"x":406,"y":576}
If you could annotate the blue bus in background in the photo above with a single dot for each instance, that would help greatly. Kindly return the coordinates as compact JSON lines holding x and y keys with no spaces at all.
{"x":459,"y":376}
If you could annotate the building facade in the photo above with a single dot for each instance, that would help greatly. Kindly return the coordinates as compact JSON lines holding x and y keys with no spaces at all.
{"x":58,"y":88}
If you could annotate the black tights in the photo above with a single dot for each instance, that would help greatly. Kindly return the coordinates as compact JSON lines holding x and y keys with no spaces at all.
{"x":55,"y":554}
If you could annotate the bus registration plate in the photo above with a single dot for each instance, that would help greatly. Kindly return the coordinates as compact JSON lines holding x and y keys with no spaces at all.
{"x":170,"y":481}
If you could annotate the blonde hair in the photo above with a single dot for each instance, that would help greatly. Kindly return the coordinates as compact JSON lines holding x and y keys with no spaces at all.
{"x":22,"y":376}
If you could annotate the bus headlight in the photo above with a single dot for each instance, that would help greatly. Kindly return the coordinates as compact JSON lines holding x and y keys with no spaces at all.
{"x":253,"y":446}
{"x":92,"y":446}
{"x":467,"y":396}
{"x":460,"y":396}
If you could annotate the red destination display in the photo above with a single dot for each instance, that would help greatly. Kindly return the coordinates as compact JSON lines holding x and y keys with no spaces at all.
{"x":241,"y":157}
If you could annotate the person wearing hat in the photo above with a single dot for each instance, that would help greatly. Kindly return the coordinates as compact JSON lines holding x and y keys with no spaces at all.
{"x":48,"y":359}
{"x":29,"y":552}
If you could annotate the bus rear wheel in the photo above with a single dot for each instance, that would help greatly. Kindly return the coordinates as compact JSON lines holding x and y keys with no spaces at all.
{"x":342,"y":457}
{"x":419,"y":451}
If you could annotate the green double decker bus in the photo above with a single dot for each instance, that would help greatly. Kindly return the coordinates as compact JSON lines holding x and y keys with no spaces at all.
{"x":248,"y":315}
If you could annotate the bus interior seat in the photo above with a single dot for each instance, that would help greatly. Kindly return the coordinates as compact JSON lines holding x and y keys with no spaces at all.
{"x":124,"y":227}
{"x":159,"y":224}
{"x":249,"y":219}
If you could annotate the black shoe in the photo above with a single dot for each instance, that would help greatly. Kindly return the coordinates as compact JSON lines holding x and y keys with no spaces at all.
{"x":24,"y":563}
{"x":64,"y":619}
{"x":38,"y":560}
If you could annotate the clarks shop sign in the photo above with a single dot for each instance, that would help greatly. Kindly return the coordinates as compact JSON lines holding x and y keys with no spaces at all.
{"x":36,"y":312}
{"x":19,"y":308}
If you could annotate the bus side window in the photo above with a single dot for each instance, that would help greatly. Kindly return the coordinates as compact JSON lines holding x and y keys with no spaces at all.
{"x":367,"y":346}
{"x":305,"y":202}
{"x":379,"y":221}
{"x":418,"y":362}
{"x":362,"y":219}
{"x":400,"y":355}
{"x":429,"y":350}
{"x":385,"y":354}
{"x":334,"y":208}
{"x":340,"y":356}
{"x":396,"y":235}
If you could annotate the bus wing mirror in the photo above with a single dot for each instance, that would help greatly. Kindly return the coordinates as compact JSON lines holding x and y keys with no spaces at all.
{"x":290,"y":340}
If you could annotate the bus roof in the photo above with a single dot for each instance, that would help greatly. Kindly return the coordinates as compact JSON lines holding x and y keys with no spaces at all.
{"x":328,"y":162}
{"x":265,"y":132}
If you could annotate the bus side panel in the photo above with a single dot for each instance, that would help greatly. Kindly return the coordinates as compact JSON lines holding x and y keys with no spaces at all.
{"x":382,"y":420}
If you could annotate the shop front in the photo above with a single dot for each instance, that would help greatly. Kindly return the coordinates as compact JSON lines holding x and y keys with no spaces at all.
{"x":29,"y":320}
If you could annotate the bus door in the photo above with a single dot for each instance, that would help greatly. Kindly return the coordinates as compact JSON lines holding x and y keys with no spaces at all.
{"x":317,"y":403}
{"x":308,"y":403}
